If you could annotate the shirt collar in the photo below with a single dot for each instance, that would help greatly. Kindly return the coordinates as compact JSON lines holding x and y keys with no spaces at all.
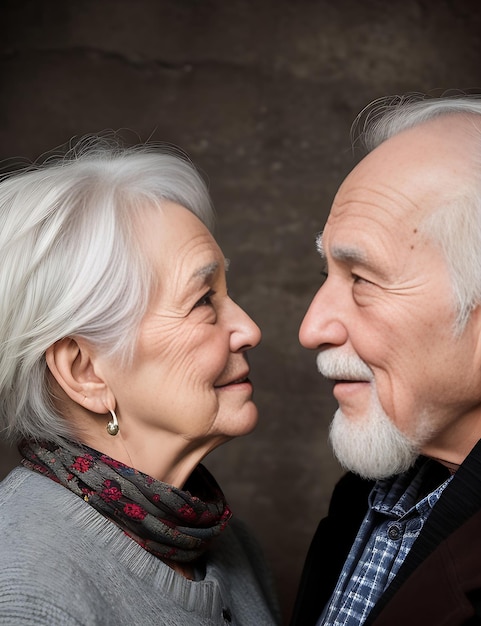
{"x":399,"y":495}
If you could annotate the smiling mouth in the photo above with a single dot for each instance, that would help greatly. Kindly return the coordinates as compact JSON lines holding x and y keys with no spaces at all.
{"x":237,"y":381}
{"x":349,"y":381}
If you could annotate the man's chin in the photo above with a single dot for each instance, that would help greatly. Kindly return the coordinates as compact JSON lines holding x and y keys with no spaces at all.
{"x":371,"y":447}
{"x":378,"y":472}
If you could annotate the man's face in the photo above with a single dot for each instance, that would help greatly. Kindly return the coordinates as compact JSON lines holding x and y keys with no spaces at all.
{"x":388,"y":298}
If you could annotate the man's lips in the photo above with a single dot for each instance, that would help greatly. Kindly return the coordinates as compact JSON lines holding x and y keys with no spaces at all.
{"x":345,"y":388}
{"x":339,"y":381}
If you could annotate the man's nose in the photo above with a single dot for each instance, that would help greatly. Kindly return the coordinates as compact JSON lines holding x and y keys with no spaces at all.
{"x":322,"y":325}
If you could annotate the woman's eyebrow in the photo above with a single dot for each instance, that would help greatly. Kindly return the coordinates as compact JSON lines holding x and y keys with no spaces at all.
{"x":205,"y":270}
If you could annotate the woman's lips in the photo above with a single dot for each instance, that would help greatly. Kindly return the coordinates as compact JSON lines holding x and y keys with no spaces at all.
{"x":237,"y":381}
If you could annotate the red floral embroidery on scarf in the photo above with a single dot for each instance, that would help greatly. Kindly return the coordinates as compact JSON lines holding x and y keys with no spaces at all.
{"x":187,"y":513}
{"x":83,"y":463}
{"x":206,"y":518}
{"x":112,"y":462}
{"x":135,"y":511}
{"x":111,"y":487}
{"x":110,"y":491}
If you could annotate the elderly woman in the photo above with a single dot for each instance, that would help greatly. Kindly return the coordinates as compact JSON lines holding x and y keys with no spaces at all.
{"x":122,"y":364}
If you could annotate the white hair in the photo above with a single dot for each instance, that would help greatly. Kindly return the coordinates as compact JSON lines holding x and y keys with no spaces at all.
{"x":71,"y":263}
{"x":456,"y":225}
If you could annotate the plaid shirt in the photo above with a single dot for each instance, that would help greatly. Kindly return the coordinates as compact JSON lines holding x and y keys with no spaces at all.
{"x":386,"y":535}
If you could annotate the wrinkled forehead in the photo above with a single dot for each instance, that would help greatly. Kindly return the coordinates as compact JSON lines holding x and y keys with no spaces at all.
{"x":405,"y":180}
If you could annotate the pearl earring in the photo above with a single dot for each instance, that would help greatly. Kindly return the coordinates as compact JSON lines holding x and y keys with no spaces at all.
{"x":113,"y":425}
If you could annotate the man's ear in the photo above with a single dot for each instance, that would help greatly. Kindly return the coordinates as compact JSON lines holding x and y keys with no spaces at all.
{"x":71,"y":363}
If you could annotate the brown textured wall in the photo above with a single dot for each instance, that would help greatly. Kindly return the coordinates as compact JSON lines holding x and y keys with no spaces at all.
{"x":261,"y":94}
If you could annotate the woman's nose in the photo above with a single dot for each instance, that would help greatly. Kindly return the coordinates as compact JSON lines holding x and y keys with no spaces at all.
{"x":246,"y":333}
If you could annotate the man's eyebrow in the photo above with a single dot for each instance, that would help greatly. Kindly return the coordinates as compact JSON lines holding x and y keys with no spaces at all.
{"x":349,"y":254}
{"x":342,"y":253}
{"x":320,"y":246}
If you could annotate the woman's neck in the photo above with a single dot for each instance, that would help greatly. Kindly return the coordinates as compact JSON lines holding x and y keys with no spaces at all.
{"x":168,"y":457}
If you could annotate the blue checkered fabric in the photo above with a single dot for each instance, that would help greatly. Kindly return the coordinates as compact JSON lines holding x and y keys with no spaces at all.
{"x":392,"y":524}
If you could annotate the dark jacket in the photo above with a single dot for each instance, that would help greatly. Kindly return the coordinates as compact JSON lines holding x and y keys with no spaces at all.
{"x":439,"y":583}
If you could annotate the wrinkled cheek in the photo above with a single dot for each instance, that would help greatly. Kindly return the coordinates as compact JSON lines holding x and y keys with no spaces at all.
{"x":399,"y":401}
{"x":191,"y":385}
{"x":385,"y":391}
{"x":200,"y":415}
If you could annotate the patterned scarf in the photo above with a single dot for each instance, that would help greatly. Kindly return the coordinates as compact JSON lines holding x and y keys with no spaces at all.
{"x":172,"y":524}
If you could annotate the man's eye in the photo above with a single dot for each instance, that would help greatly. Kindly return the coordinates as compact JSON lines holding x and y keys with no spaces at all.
{"x":205,"y":300}
{"x":360,"y":279}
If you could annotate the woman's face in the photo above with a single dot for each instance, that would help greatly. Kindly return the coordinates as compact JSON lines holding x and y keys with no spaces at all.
{"x":189,"y":374}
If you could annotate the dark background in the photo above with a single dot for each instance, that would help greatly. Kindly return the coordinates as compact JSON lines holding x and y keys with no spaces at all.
{"x":261,"y":94}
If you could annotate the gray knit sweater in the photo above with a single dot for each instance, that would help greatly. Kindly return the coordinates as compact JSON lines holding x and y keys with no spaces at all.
{"x":62,"y":563}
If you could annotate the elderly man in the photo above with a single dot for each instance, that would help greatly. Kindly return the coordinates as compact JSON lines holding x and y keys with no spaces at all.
{"x":397,"y":328}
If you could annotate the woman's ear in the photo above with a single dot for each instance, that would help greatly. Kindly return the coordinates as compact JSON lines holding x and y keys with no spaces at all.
{"x":72,"y":364}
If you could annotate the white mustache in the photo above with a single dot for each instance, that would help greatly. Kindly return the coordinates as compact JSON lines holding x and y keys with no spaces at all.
{"x":336,"y":365}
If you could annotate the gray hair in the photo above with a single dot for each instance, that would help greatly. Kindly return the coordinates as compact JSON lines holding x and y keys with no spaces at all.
{"x":71,"y":263}
{"x":456,"y":225}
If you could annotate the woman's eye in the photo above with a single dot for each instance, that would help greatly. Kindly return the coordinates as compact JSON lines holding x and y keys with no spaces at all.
{"x":205,"y":300}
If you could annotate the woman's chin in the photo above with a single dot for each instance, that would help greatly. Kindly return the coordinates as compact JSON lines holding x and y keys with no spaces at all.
{"x":238,"y":423}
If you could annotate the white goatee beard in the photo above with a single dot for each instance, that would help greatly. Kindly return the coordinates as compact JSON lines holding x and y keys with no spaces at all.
{"x":369,"y":445}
